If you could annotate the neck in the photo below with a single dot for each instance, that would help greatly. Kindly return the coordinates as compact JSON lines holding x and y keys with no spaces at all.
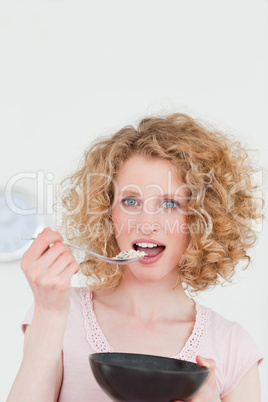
{"x":151,"y":300}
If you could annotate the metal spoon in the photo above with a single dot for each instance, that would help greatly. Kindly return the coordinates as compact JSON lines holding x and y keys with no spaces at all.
{"x":118,"y":261}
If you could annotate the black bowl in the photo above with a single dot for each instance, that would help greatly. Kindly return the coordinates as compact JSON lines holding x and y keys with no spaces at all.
{"x":146,"y":378}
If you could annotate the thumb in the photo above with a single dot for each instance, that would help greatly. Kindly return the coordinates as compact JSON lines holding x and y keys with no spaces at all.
{"x":46,"y":230}
{"x":211,"y":381}
{"x":209,"y":363}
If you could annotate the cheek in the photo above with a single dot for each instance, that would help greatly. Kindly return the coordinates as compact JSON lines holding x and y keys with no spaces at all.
{"x":116,"y":221}
{"x":176,"y":228}
{"x":120,"y":221}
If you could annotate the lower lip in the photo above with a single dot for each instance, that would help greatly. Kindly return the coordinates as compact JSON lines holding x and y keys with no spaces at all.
{"x":151,"y":260}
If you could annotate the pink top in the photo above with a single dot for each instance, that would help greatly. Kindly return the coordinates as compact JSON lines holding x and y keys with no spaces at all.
{"x":213,"y":337}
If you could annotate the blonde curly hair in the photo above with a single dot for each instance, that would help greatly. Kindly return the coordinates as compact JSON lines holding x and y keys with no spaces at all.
{"x":221,"y":209}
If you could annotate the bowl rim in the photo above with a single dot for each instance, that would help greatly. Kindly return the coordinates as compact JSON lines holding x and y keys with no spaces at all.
{"x":94,"y":357}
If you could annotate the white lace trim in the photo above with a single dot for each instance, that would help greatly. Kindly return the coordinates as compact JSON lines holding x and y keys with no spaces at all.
{"x":198,"y":335}
{"x":99,"y":343}
{"x":95,"y":336}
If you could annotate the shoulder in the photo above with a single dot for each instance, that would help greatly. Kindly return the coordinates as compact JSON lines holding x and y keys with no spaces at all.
{"x":76,"y":294}
{"x":216,"y":328}
{"x":232,"y":348}
{"x":225,"y":330}
{"x":217,"y":319}
{"x":79,"y":298}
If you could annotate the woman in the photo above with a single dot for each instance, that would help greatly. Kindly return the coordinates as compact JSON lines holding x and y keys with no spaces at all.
{"x":181,"y":193}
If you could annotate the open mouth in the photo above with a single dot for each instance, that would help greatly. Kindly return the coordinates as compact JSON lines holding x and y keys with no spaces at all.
{"x":150,"y":249}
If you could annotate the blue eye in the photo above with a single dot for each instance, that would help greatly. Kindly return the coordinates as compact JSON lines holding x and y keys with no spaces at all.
{"x":170,"y":204}
{"x":130,"y":202}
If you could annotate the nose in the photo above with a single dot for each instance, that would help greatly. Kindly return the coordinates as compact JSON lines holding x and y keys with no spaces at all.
{"x":148,"y":223}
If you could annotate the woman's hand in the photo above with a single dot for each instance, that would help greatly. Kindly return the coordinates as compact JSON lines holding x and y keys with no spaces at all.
{"x":209,"y":391}
{"x":49,"y":271}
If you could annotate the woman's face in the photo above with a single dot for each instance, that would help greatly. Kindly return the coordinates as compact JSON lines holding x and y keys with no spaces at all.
{"x":149,"y":214}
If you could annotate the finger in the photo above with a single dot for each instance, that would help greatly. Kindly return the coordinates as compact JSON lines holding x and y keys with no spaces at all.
{"x":63,"y":279}
{"x":61,"y":263}
{"x":73,"y":268}
{"x":41,"y":244}
{"x":69,"y":271}
{"x":58,"y":283}
{"x":47,"y":229}
{"x":52,"y":254}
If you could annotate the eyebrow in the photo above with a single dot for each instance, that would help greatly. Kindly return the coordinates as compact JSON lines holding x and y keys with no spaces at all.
{"x":136,"y":194}
{"x":130,"y":192}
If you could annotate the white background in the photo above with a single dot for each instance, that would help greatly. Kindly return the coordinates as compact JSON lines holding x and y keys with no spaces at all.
{"x":73,"y":70}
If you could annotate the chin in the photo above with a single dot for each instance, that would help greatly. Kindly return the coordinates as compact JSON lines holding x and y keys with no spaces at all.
{"x":149,"y":275}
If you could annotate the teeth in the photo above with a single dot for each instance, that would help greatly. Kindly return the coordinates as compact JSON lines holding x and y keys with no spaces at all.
{"x":146,"y":245}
